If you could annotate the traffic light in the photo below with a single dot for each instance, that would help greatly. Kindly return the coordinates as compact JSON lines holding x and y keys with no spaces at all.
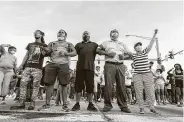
{"x":171,"y":55}
{"x":98,"y":60}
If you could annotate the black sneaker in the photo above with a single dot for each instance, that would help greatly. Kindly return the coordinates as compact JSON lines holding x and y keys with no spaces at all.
{"x":107,"y":108}
{"x":91,"y":107}
{"x":31,"y":108}
{"x":22,"y":106}
{"x":127,"y":110}
{"x":153,"y":111}
{"x":76,"y":107}
{"x":141,"y":111}
{"x":44,"y":108}
{"x":65,"y":108}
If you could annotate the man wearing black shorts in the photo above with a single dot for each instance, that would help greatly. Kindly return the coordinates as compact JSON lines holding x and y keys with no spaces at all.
{"x":86,"y":51}
{"x":60,"y":51}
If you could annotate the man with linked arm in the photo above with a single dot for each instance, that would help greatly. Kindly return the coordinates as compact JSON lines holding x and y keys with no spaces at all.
{"x":114,"y":71}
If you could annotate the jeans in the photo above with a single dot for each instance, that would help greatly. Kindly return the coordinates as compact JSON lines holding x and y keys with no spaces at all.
{"x":5,"y":78}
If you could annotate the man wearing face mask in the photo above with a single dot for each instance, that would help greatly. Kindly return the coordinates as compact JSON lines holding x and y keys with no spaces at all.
{"x":114,"y":71}
{"x":32,"y":69}
{"x":86,"y":51}
{"x":8,"y":64}
{"x":60,"y":52}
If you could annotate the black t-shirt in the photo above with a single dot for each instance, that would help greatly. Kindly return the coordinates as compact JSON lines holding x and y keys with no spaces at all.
{"x":35,"y":55}
{"x":86,"y":55}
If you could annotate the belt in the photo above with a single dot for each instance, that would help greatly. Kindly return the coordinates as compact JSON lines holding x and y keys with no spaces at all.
{"x":115,"y":63}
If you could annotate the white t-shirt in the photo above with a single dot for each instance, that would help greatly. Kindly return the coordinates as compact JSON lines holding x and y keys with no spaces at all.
{"x":128,"y":78}
{"x":103,"y":80}
{"x":97,"y":77}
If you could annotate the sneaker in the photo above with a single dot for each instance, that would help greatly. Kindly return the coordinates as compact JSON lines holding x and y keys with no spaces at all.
{"x":44,"y":107}
{"x":57,"y":104}
{"x":76,"y":107}
{"x":153,"y":111}
{"x":141,"y":111}
{"x":179,"y":105}
{"x":65,"y":108}
{"x":164,"y":103}
{"x":91,"y":107}
{"x":3,"y":103}
{"x":127,"y":110}
{"x":21,"y":106}
{"x":31,"y":108}
{"x":107,"y":108}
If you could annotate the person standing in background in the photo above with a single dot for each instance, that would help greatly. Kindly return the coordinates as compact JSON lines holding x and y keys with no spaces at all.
{"x":159,"y":85}
{"x":8,"y":63}
{"x":96,"y":82}
{"x":178,"y":77}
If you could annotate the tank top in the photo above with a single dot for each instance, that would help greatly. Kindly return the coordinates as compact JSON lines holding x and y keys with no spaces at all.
{"x":181,"y":73}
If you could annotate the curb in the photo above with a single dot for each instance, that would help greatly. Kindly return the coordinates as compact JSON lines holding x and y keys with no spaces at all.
{"x":172,"y":110}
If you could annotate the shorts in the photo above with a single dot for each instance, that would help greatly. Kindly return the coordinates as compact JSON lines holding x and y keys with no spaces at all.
{"x":159,"y":86}
{"x":84,"y":78}
{"x":59,"y":71}
{"x":179,"y":83}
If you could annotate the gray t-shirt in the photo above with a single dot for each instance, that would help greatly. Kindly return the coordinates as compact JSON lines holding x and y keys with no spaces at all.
{"x":56,"y":47}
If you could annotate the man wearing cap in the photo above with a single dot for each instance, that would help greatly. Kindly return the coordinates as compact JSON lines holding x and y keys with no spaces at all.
{"x":59,"y":51}
{"x":143,"y":78}
{"x":114,"y":71}
{"x":86,"y":51}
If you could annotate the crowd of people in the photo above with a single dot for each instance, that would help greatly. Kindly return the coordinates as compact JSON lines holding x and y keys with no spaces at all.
{"x":112,"y":83}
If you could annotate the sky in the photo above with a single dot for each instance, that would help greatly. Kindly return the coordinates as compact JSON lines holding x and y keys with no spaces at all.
{"x":20,"y":19}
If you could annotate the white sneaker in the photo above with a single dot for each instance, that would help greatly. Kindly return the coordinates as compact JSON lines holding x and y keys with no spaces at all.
{"x":155,"y":103}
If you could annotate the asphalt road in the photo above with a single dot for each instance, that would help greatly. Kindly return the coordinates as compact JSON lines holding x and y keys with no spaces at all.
{"x":166,"y":113}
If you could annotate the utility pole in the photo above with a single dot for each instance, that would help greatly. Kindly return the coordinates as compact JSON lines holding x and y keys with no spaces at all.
{"x":157,"y":48}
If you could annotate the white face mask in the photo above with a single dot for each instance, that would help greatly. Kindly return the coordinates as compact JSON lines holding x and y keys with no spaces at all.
{"x":61,"y":38}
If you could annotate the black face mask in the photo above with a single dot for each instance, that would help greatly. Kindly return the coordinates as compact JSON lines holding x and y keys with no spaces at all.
{"x":85,"y":38}
{"x":37,"y":37}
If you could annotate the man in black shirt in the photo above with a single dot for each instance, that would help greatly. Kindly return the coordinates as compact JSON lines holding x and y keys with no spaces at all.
{"x":33,"y":62}
{"x":86,"y":51}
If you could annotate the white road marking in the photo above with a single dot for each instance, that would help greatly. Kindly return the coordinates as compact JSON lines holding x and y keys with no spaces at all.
{"x":5,"y":117}
{"x":142,"y":118}
{"x":71,"y":118}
